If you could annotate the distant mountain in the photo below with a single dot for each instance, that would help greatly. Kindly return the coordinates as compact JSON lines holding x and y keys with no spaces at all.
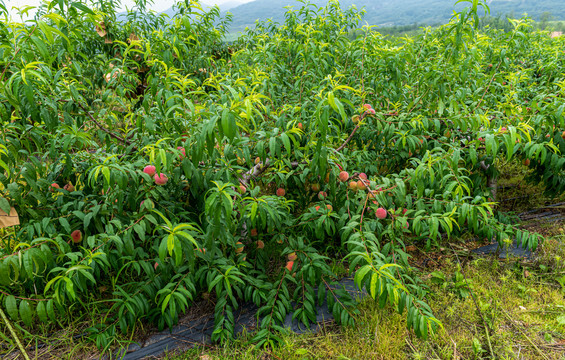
{"x":395,"y":12}
{"x":208,"y":4}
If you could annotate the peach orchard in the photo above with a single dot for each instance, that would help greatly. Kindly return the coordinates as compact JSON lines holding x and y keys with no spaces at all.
{"x":153,"y":164}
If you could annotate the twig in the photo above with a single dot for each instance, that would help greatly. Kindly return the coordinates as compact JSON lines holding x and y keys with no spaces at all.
{"x":14,"y":335}
{"x":125,"y":141}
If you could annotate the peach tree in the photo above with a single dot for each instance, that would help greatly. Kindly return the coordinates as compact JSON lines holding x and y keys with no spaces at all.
{"x":152,"y":164}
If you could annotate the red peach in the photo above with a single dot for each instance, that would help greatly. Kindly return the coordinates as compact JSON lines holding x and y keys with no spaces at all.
{"x":343,"y":176}
{"x":76,"y":236}
{"x":161,"y":179}
{"x":149,"y":170}
{"x":253,"y":232}
{"x":260,"y":244}
{"x":183,"y":151}
{"x":381,"y":213}
{"x":353,"y":185}
{"x":281,"y":192}
{"x":292,"y":256}
{"x":363,"y":176}
{"x":289,"y":265}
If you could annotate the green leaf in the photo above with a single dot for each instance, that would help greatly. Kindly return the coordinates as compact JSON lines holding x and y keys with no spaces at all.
{"x":25,"y":313}
{"x":5,"y":205}
{"x":12,"y":307}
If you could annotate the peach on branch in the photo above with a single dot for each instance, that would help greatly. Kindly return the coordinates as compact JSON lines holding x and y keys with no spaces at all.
{"x":239,"y":247}
{"x":527,"y":162}
{"x":361,"y":185}
{"x":281,"y":192}
{"x":322,"y":195}
{"x":353,"y":185}
{"x":54,"y":186}
{"x":257,"y":160}
{"x":69,"y":187}
{"x":300,"y":126}
{"x":315,"y":187}
{"x":161,"y":179}
{"x":76,"y":236}
{"x":329,"y":207}
{"x":317,"y":208}
{"x":343,"y":176}
{"x":253,"y":232}
{"x":183,"y":152}
{"x":150,"y":170}
{"x":355,"y":119}
{"x":381,"y":213}
{"x":289,"y":265}
{"x":260,"y":244}
{"x":241,"y":189}
{"x":363,"y":176}
{"x":292,"y":256}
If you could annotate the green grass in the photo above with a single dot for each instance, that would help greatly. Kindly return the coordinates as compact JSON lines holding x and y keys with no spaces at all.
{"x":522,"y":304}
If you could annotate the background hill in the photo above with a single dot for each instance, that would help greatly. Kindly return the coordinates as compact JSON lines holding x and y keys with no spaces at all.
{"x":391,"y":12}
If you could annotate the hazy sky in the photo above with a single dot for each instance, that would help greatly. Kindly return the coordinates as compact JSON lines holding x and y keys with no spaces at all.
{"x":158,"y":5}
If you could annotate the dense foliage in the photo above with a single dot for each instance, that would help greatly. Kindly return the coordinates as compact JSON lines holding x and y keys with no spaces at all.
{"x":152,"y":164}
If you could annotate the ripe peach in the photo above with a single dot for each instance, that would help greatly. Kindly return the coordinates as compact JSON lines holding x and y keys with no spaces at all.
{"x":253,"y":232}
{"x":404,"y":211}
{"x":315,"y":187}
{"x":76,"y":236}
{"x":149,"y":170}
{"x":353,"y":185}
{"x":322,"y":195}
{"x":363,"y":176}
{"x":155,"y":265}
{"x":183,"y":151}
{"x":161,"y":179}
{"x":289,"y":265}
{"x":371,"y":112}
{"x":367,"y":107}
{"x":239,"y":247}
{"x":329,"y":207}
{"x":241,"y":189}
{"x":260,"y":244}
{"x":300,"y":126}
{"x":343,"y":176}
{"x":381,"y":213}
{"x":355,"y":119}
{"x":54,"y":186}
{"x":527,"y":162}
{"x":292,"y":256}
{"x":281,"y":192}
{"x":257,"y":160}
{"x":503,"y":129}
{"x":317,"y":208}
{"x":361,"y":185}
{"x":69,"y":187}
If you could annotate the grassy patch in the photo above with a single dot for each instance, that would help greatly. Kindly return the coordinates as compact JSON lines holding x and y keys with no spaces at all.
{"x":522,"y":315}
